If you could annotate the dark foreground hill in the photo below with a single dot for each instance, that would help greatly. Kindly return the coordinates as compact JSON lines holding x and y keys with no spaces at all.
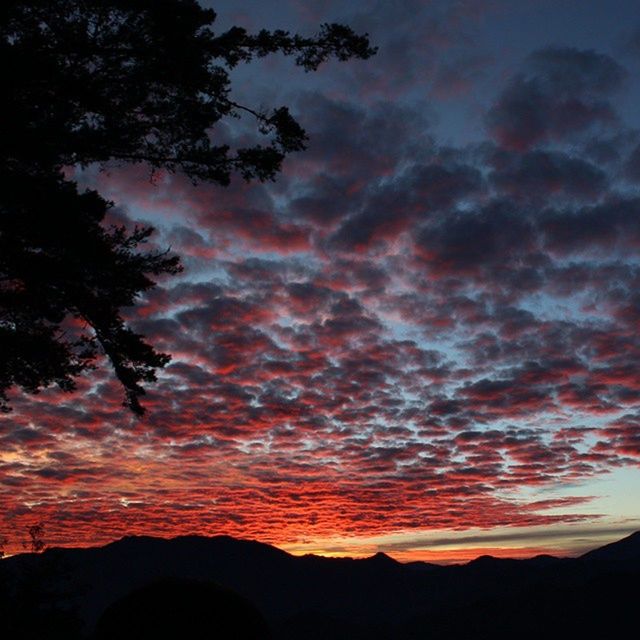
{"x":62,"y":593}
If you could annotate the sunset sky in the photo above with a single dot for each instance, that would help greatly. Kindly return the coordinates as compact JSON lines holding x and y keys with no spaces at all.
{"x":422,"y":338}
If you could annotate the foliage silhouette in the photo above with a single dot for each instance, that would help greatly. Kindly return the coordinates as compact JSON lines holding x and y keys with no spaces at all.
{"x":36,"y":537}
{"x":131,"y":81}
{"x":34,"y":601}
{"x":180,"y":608}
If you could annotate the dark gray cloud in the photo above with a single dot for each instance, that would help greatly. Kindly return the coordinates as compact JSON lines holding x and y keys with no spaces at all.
{"x":562,"y":92}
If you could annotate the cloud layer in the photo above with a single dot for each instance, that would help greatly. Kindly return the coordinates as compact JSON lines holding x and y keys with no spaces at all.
{"x":398,"y":335}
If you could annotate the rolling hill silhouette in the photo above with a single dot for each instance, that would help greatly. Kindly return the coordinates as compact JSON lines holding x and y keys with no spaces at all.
{"x":67,"y":591}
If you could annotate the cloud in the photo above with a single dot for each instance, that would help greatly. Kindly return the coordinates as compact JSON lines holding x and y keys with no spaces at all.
{"x":530,"y":536}
{"x":399,"y":333}
{"x":467,"y":242}
{"x":542,"y":176}
{"x":562,"y":92}
{"x":391,"y":209}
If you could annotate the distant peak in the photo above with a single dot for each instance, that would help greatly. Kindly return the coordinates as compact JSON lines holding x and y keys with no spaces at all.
{"x":382,"y":558}
{"x":483,"y":560}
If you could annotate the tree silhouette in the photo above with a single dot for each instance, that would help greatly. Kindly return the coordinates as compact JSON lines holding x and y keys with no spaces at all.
{"x":35,"y":593}
{"x":134,"y":81}
{"x":36,"y":537}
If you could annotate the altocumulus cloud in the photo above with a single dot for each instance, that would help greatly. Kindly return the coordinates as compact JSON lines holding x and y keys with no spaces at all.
{"x":398,"y":334}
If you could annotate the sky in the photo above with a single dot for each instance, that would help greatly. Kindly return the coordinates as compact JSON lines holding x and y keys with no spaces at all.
{"x":422,"y":338}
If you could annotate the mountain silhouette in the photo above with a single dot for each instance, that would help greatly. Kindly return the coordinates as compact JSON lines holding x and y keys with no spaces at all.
{"x":620,"y":552}
{"x":312,"y":597}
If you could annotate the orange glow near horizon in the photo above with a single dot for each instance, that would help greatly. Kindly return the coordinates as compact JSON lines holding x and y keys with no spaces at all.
{"x":467,"y":554}
{"x":451,"y":554}
{"x":440,"y":556}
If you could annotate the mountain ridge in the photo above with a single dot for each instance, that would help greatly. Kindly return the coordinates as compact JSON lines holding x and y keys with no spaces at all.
{"x":625,"y":549}
{"x":631,"y":543}
{"x":344,"y":597}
